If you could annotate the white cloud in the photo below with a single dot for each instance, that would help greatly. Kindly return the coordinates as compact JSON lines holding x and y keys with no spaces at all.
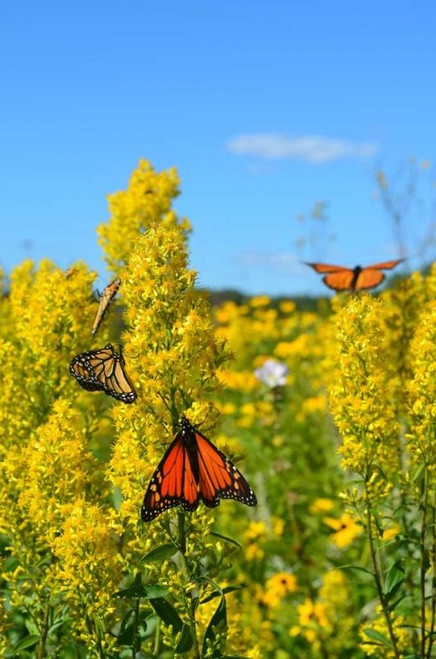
{"x":311,"y":148}
{"x":270,"y":260}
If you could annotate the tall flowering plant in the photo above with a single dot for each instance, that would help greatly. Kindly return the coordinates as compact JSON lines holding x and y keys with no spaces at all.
{"x":382,"y":399}
{"x":81,"y":574}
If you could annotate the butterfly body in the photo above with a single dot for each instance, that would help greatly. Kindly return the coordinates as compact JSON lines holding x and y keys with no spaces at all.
{"x":194,"y":470}
{"x":105,"y":299}
{"x":356,"y":272}
{"x":353,"y":279}
{"x":103,"y":369}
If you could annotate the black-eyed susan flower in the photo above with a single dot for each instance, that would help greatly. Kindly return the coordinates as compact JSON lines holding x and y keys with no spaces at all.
{"x":277,"y":587}
{"x":345,"y":530}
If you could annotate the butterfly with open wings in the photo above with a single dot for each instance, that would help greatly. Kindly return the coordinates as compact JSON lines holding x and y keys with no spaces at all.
{"x":353,"y":279}
{"x":193,"y":470}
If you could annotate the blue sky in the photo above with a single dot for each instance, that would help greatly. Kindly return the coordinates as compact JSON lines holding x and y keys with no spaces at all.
{"x":263,"y":107}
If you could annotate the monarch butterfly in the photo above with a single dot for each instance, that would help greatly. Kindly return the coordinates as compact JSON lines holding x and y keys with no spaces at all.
{"x":191,"y":470}
{"x":348,"y":279}
{"x":105,"y":299}
{"x":103,"y":370}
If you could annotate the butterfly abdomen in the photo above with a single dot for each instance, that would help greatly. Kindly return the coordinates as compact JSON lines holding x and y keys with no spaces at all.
{"x":190,"y":443}
{"x":356,"y":272}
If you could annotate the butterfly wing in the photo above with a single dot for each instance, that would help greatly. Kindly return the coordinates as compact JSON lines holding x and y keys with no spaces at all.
{"x":324,"y":268}
{"x":218,"y":476}
{"x":368,"y":278}
{"x":386,"y":265}
{"x":106,"y":298}
{"x":103,"y":369}
{"x":84,"y":375}
{"x":173,"y":483}
{"x":340,"y":281}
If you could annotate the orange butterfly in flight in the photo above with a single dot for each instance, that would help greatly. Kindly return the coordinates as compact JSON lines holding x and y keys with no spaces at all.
{"x":191,"y":470}
{"x":105,"y":299}
{"x":357,"y":279}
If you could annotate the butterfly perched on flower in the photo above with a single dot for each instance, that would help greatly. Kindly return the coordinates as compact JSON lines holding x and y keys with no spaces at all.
{"x":353,"y":279}
{"x":105,"y":299}
{"x":103,"y":369}
{"x":193,"y":470}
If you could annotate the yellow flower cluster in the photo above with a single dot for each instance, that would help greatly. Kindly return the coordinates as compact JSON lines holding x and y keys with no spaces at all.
{"x":88,"y":572}
{"x":146,"y":201}
{"x":361,"y":397}
{"x":326,"y":623}
{"x":422,"y":390}
{"x":402,"y":628}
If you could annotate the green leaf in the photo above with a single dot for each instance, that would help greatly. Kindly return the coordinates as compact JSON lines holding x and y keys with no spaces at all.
{"x":58,"y":623}
{"x":224,"y":537}
{"x":10,"y":564}
{"x":228,"y":589}
{"x":426,"y":560}
{"x":377,"y":636}
{"x":394,"y":579}
{"x":152,"y":591}
{"x":27,"y":642}
{"x":394,"y":605}
{"x":158,"y":554}
{"x":99,"y":625}
{"x":145,"y":591}
{"x":125,"y":637}
{"x":356,"y":567}
{"x":218,"y":620}
{"x":167,"y":613}
{"x":186,"y":641}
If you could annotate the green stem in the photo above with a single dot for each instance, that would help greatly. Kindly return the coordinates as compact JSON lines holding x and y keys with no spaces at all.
{"x":423,"y":561}
{"x":136,"y":639}
{"x":190,"y":604}
{"x":433,"y":593}
{"x":41,"y":645}
{"x":378,"y":579}
{"x":157,"y":639}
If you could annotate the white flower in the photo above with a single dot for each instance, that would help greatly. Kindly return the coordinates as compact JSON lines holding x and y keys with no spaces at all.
{"x":272,"y":373}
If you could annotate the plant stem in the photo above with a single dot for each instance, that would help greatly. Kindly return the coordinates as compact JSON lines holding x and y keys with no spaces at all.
{"x":41,"y":645}
{"x":157,"y":639}
{"x":423,"y":561}
{"x":433,"y":561}
{"x":378,"y":579}
{"x":190,"y":604}
{"x":135,"y":629}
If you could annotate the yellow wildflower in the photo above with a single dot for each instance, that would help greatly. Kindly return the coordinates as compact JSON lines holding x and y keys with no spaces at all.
{"x":321,"y":505}
{"x":287,"y":306}
{"x":260,"y":301}
{"x":345,"y":530}
{"x":277,"y":587}
{"x":312,"y":612}
{"x":390,"y":532}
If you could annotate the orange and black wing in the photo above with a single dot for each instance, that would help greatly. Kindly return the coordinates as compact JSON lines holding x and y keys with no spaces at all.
{"x":372,"y":276}
{"x":368,"y":278}
{"x":340,"y":281}
{"x":324,"y":268}
{"x":105,"y":299}
{"x":218,"y":476}
{"x":386,"y":265}
{"x":336,"y":276}
{"x":103,"y":369}
{"x":173,"y":483}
